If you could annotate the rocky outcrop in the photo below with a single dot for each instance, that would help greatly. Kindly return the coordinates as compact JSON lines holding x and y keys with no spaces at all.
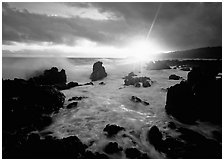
{"x":192,"y":99}
{"x":131,"y":79}
{"x":50,"y":77}
{"x":98,"y":72}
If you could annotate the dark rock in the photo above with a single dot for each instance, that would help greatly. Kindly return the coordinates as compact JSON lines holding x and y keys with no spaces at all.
{"x":133,"y":153}
{"x":145,"y":103}
{"x":72,"y":105}
{"x":135,"y":99}
{"x":102,"y":83}
{"x":76,"y":98}
{"x":112,"y":129}
{"x":90,"y":83}
{"x":146,"y":83}
{"x":171,"y":125}
{"x":50,"y":77}
{"x":98,"y":72}
{"x":137,"y":84}
{"x":180,"y":103}
{"x":112,"y":148}
{"x":155,"y":137}
{"x":174,"y":77}
{"x":65,"y":86}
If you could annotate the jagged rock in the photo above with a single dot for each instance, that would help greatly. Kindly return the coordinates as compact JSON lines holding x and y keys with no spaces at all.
{"x":112,"y":130}
{"x":146,"y":83}
{"x":112,"y":148}
{"x":98,"y":72}
{"x":50,"y":77}
{"x":72,"y":105}
{"x":132,"y":80}
{"x":174,"y":77}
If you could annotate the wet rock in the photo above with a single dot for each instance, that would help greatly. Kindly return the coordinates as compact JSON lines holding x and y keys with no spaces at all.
{"x":135,"y":99}
{"x":102,"y":83}
{"x":76,"y":98}
{"x":171,"y":125}
{"x":66,"y":86}
{"x":137,"y":84}
{"x":138,"y":100}
{"x":98,"y":72}
{"x":112,"y":148}
{"x":174,"y":77}
{"x":133,"y":153}
{"x":180,"y":103}
{"x":72,"y":105}
{"x":146,"y":83}
{"x":90,"y":83}
{"x":155,"y":137}
{"x":112,"y":130}
{"x":50,"y":77}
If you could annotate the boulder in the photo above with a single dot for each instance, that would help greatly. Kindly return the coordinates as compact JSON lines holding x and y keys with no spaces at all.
{"x":146,"y":83}
{"x":72,"y":105}
{"x":137,"y":84}
{"x":112,"y":130}
{"x":98,"y":72}
{"x":155,"y":137}
{"x":174,"y":77}
{"x":112,"y":148}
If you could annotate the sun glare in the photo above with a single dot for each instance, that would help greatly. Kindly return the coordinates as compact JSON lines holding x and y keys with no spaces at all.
{"x":143,"y":50}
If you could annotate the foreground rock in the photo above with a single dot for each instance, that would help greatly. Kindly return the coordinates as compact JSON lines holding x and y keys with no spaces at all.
{"x":197,"y":98}
{"x":112,"y":130}
{"x":131,"y":79}
{"x":112,"y":148}
{"x":98,"y":72}
{"x":50,"y":77}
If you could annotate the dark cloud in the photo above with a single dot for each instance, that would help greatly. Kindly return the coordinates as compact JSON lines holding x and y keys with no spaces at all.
{"x":179,"y":25}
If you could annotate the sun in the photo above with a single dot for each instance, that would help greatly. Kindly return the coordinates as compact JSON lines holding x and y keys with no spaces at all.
{"x":143,"y":50}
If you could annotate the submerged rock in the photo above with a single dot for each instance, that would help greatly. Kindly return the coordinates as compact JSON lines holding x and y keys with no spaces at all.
{"x":138,"y":100}
{"x":98,"y":72}
{"x":112,"y":130}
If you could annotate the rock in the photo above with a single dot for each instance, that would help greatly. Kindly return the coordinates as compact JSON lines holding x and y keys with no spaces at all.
{"x":112,"y":148}
{"x":133,"y":153}
{"x":112,"y":129}
{"x":66,"y":86}
{"x":50,"y":77}
{"x":155,"y":137}
{"x":102,"y":83}
{"x":76,"y":98}
{"x":72,"y":105}
{"x":98,"y":72}
{"x":145,"y":103}
{"x":146,"y":83}
{"x":174,"y":77}
{"x":137,"y":84}
{"x":135,"y":99}
{"x":180,"y":103}
{"x":90,"y":83}
{"x":171,"y":125}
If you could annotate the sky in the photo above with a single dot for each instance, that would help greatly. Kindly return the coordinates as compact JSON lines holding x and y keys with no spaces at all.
{"x":108,"y":29}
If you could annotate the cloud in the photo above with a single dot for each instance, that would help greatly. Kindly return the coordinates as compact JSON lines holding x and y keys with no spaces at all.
{"x":178,"y":26}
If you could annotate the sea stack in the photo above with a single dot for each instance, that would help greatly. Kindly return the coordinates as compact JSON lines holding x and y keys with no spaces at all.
{"x":98,"y":72}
